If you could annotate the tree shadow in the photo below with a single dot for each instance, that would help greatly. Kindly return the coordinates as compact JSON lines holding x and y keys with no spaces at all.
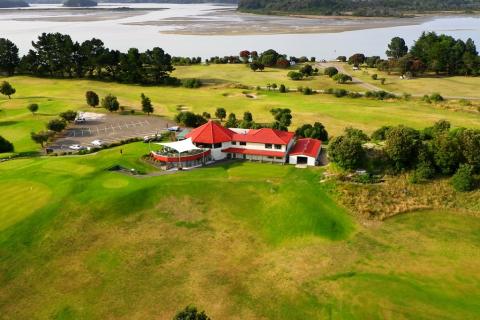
{"x":7,"y":123}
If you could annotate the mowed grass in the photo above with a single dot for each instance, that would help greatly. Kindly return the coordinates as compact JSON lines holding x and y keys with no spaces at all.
{"x":240,"y":240}
{"x":458,"y":86}
{"x":55,"y":96}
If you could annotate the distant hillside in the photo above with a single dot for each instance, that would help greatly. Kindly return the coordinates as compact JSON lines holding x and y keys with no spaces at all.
{"x":355,"y":7}
{"x":13,"y":4}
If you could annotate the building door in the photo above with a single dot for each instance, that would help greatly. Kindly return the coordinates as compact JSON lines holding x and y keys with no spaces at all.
{"x":302,"y":160}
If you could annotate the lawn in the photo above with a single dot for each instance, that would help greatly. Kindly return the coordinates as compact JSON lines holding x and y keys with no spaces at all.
{"x":457,"y":86}
{"x":55,"y":96}
{"x":219,"y":74}
{"x":240,"y":240}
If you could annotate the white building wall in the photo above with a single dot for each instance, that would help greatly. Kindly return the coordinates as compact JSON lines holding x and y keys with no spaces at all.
{"x":259,"y":146}
{"x":217,"y":153}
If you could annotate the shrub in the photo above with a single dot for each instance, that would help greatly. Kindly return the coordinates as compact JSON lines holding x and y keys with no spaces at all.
{"x":380,"y":95}
{"x":92,"y":98}
{"x":463,"y":180}
{"x":191,"y":313}
{"x":402,"y":145}
{"x":192,"y":83}
{"x":465,"y":102}
{"x":426,"y":99}
{"x":340,"y":93}
{"x":294,"y":75}
{"x":342,"y":78}
{"x":5,"y":145}
{"x":382,"y":81}
{"x":342,"y":58}
{"x":308,"y":91}
{"x":69,"y":115}
{"x":282,"y":89}
{"x":330,"y":71}
{"x":354,"y":95}
{"x":436,"y":97}
{"x":375,"y":76}
{"x":380,"y":134}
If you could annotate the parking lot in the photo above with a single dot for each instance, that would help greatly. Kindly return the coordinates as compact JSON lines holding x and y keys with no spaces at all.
{"x":108,"y":129}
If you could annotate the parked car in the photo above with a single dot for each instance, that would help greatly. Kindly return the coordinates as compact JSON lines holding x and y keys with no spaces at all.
{"x":174,"y":129}
{"x":77,"y":147}
{"x":97,"y":143}
{"x":155,"y":137}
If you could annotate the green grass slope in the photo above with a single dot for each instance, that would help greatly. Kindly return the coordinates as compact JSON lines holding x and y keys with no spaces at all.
{"x":240,"y":240}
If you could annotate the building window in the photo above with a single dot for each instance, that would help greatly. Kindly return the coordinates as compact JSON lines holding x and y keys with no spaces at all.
{"x":243,"y":143}
{"x":234,"y":143}
{"x":268,"y":146}
{"x":278,"y":158}
{"x":269,"y":157}
{"x":217,"y":145}
{"x":278,"y":146}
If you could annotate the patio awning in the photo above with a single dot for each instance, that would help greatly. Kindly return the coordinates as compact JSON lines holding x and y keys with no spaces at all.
{"x":180,"y":146}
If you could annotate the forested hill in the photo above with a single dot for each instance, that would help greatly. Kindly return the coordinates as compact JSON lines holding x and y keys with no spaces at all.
{"x":355,"y":7}
{"x":13,"y":4}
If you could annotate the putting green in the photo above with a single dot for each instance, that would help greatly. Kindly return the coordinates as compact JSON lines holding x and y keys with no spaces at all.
{"x":115,"y":183}
{"x":20,"y":199}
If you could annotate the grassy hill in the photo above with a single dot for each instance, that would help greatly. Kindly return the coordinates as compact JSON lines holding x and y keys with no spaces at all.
{"x":243,"y":241}
{"x":361,"y":8}
{"x":239,"y":240}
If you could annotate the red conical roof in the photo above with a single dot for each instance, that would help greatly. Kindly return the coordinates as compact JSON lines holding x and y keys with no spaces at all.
{"x":211,"y":132}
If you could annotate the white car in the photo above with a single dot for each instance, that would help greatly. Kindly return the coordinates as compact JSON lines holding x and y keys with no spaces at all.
{"x":174,"y":129}
{"x":97,"y":143}
{"x":77,"y":147}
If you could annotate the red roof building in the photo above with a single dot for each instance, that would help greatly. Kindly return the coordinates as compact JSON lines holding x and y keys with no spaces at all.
{"x":210,"y":133}
{"x":305,"y":151}
{"x":264,"y":135}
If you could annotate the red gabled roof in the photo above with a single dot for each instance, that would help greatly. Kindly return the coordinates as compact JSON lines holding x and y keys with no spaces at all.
{"x":306,"y":147}
{"x":211,"y":132}
{"x":265,"y":135}
{"x":266,"y":153}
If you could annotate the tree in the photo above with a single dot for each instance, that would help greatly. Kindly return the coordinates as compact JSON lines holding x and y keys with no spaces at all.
{"x":92,"y":98}
{"x":9,"y":59}
{"x":56,"y":125}
{"x":347,"y":152}
{"x":220,"y":113}
{"x":401,"y":146}
{"x":69,"y":116}
{"x":5,"y":145}
{"x":330,"y":71}
{"x":6,"y":89}
{"x":110,"y":103}
{"x":41,"y":137}
{"x":283,"y":118}
{"x":33,"y":107}
{"x":255,"y":65}
{"x":190,"y":119}
{"x":463,"y":180}
{"x":357,"y":59}
{"x":191,"y":313}
{"x":231,"y":121}
{"x":317,"y":131}
{"x":447,"y":152}
{"x":470,"y":146}
{"x":282,"y":89}
{"x":397,"y":48}
{"x":342,"y":78}
{"x":245,"y":55}
{"x":307,"y":70}
{"x":206,"y":115}
{"x":147,"y":106}
{"x":247,"y":116}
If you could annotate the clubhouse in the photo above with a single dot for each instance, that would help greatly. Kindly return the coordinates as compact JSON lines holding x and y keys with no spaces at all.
{"x":213,"y":142}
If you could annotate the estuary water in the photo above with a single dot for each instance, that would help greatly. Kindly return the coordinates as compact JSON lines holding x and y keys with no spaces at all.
{"x":209,"y":30}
